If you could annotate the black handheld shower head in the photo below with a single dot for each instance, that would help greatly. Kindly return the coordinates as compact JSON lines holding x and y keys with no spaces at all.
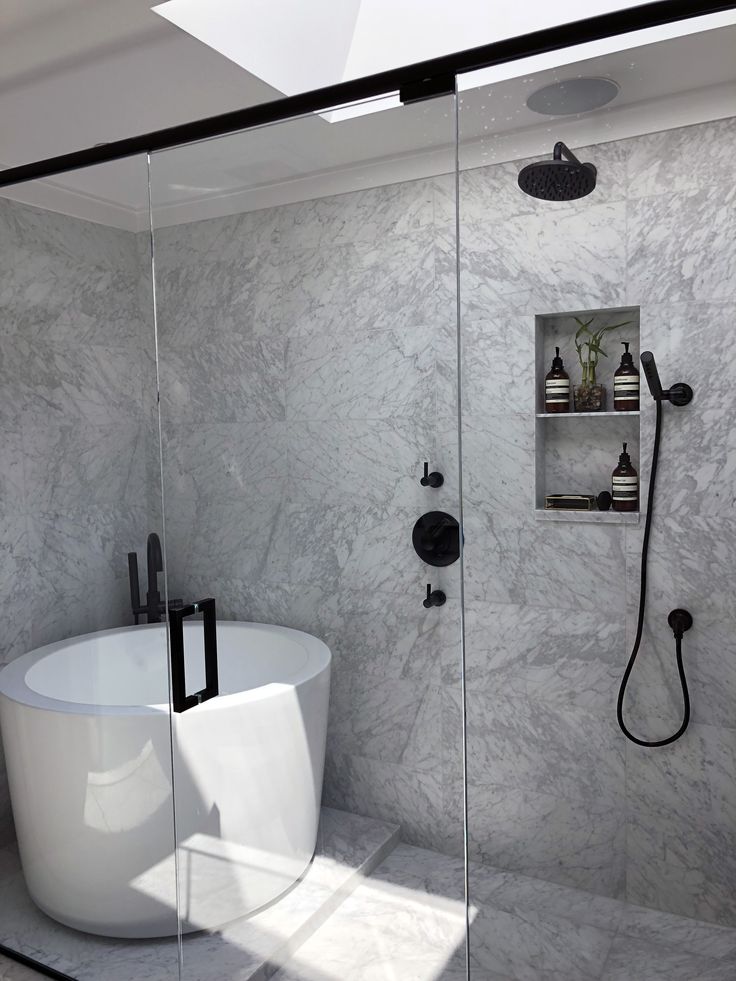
{"x":679,"y":394}
{"x":652,"y":375}
{"x":558,"y":179}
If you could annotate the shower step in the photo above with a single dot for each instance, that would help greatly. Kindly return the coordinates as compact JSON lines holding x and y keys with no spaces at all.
{"x":349,"y":848}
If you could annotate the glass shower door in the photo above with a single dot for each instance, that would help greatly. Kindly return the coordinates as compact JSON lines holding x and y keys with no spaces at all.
{"x":86,"y":810}
{"x":593,"y":856}
{"x":306,"y":312}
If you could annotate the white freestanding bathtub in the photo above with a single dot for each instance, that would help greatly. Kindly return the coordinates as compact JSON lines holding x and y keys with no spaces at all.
{"x":87,"y":735}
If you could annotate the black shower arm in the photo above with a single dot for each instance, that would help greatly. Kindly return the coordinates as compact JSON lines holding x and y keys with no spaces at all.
{"x":561,"y":150}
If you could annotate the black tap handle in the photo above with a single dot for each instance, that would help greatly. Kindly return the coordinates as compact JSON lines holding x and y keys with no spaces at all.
{"x":434,"y":479}
{"x":434,"y":597}
{"x":135,"y":591}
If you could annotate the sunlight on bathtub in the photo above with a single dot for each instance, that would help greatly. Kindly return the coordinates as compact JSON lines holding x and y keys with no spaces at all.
{"x":114,"y":801}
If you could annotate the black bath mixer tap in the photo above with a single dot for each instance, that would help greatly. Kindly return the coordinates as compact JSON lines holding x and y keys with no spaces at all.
{"x":154,"y":606}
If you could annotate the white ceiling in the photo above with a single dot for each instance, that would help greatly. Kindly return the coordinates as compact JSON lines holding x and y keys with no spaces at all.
{"x":78,"y":72}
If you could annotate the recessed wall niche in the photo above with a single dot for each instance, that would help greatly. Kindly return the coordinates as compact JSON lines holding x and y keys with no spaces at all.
{"x":575,"y":452}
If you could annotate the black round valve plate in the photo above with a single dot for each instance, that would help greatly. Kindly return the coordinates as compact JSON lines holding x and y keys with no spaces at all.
{"x":436,"y":538}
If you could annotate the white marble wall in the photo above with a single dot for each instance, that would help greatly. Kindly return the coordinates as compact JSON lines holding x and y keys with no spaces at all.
{"x":314,"y":372}
{"x":73,"y":486}
{"x":304,"y":357}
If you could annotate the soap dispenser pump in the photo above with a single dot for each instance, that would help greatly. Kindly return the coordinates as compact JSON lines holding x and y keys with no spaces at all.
{"x":557,"y":386}
{"x":625,"y":485}
{"x":626,"y":383}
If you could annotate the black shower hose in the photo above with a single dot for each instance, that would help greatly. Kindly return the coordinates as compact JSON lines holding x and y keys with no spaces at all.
{"x":642,"y":605}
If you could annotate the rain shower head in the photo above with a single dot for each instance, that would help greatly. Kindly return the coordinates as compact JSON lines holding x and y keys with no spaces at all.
{"x":558,"y":179}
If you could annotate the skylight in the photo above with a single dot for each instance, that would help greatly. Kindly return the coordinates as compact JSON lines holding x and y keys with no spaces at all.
{"x":295,"y":46}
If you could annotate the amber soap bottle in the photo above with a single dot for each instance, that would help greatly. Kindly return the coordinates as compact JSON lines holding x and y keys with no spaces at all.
{"x":557,"y":386}
{"x":626,"y":384}
{"x":625,"y":485}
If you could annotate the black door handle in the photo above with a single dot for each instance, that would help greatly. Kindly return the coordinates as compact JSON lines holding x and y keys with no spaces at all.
{"x":180,"y":700}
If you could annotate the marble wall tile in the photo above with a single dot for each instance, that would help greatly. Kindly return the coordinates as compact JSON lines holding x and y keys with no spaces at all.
{"x":554,"y":838}
{"x":369,"y":216}
{"x":543,"y":747}
{"x":700,"y":480}
{"x":498,"y":376}
{"x":680,"y":246}
{"x":382,"y":374}
{"x":217,"y":300}
{"x":662,"y":163}
{"x":498,"y":463}
{"x":12,"y":481}
{"x":391,"y":720}
{"x":57,"y":615}
{"x":49,"y":297}
{"x":241,"y":463}
{"x":677,"y":570}
{"x":354,"y":547}
{"x":511,"y":558}
{"x":415,"y":799}
{"x":73,"y":550}
{"x":41,"y":231}
{"x":681,"y":817}
{"x":233,"y":380}
{"x":16,"y":580}
{"x":576,"y":261}
{"x":55,"y":382}
{"x":245,"y":540}
{"x":348,"y":289}
{"x":70,"y":463}
{"x":377,"y":461}
{"x":230,"y":239}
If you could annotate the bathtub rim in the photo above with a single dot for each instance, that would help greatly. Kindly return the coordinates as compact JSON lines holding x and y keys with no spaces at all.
{"x":13,"y":685}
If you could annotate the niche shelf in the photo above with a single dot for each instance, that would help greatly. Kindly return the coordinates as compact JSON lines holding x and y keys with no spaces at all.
{"x":575,"y":452}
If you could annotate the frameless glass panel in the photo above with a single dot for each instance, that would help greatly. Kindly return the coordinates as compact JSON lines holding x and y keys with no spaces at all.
{"x":306,"y":308}
{"x":86,"y":810}
{"x":587,"y":849}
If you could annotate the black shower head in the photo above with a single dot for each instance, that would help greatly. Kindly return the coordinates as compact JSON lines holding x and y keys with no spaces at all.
{"x":558,"y":179}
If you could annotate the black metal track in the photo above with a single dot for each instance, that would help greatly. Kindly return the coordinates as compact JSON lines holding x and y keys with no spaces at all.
{"x":48,"y":972}
{"x":408,"y":78}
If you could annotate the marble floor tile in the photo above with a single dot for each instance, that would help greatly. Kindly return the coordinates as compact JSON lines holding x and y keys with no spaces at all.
{"x":13,"y":971}
{"x":404,"y":921}
{"x":639,"y":960}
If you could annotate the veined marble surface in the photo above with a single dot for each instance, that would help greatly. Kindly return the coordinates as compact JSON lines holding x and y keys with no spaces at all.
{"x":406,"y":920}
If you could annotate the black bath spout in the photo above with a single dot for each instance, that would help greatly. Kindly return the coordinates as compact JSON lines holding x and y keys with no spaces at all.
{"x":155,"y":563}
{"x":154,"y":608}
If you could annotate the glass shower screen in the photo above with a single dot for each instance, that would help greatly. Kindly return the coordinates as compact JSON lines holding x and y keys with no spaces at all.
{"x":87,"y":858}
{"x":306,"y":312}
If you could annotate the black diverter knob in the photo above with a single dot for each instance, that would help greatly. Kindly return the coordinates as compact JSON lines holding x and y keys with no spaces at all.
{"x":436,"y":538}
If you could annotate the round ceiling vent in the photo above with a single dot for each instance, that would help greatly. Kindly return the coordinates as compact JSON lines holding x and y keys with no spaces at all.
{"x":575,"y":95}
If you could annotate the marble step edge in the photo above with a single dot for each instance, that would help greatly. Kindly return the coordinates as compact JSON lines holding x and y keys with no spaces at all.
{"x":281,"y":956}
